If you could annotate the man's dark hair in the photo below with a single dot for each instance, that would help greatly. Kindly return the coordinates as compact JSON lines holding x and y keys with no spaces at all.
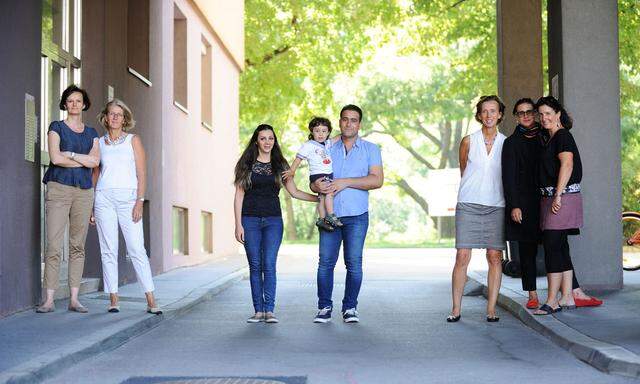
{"x":316,"y":122}
{"x":72,"y":89}
{"x":352,"y":107}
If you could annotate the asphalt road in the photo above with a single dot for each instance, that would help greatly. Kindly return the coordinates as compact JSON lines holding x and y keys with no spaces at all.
{"x":402,"y":337}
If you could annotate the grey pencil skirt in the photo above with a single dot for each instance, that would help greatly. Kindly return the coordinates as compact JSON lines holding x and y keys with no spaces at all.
{"x":479,"y":226}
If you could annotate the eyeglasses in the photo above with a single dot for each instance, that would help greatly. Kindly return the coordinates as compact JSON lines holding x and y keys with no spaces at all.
{"x":115,"y":115}
{"x":528,"y":113}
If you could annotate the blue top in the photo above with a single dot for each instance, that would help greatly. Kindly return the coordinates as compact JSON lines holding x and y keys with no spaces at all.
{"x":73,"y":142}
{"x":355,"y":163}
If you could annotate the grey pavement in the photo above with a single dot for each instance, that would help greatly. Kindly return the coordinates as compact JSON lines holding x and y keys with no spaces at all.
{"x":35,"y":346}
{"x":402,"y":338}
{"x":606,"y":337}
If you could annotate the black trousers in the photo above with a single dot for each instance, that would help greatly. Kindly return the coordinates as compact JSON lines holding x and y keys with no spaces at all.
{"x":528,"y":250}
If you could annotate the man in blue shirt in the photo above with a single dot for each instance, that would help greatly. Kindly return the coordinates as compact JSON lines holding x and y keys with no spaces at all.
{"x":357,"y":168}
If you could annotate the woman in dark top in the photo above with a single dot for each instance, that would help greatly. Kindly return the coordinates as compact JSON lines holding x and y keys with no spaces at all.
{"x":559,"y":176}
{"x":520,"y":158}
{"x":258,"y":179}
{"x":519,"y":165}
{"x":74,"y":151}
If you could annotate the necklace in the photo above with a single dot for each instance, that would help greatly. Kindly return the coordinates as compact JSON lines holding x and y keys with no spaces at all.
{"x":490,"y":141}
{"x":116,"y":141}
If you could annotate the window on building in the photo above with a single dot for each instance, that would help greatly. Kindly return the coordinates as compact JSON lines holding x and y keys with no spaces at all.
{"x":179,"y":59}
{"x":206,"y":226}
{"x":138,"y":39}
{"x":180,"y":231}
{"x":60,"y":66}
{"x":206,"y":84}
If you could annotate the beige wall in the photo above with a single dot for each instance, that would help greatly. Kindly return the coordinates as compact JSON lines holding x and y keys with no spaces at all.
{"x":223,"y":16}
{"x":199,"y":162}
{"x":187,"y":165}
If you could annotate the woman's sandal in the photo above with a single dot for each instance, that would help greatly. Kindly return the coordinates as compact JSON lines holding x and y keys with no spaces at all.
{"x":154,"y":310}
{"x":547,"y":310}
{"x":43,"y":309}
{"x":492,"y":319}
{"x":453,"y":319}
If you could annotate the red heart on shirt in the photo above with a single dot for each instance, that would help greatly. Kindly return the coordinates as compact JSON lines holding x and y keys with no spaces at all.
{"x":326,"y":161}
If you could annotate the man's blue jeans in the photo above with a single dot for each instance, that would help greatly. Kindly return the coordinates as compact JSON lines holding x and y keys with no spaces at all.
{"x":352,"y":234}
{"x":262,"y":238}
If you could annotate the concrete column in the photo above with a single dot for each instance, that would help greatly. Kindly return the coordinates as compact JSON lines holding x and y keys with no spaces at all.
{"x":519,"y":54}
{"x":583,"y":71}
{"x":20,"y":26}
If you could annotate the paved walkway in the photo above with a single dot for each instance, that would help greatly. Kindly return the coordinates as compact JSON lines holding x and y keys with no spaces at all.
{"x":35,"y":346}
{"x":607,"y":337}
{"x":402,"y":338}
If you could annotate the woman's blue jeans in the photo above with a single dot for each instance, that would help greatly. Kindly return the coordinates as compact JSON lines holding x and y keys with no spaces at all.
{"x":262,"y":238}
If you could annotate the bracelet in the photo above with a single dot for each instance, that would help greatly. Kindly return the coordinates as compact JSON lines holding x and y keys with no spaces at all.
{"x":73,"y":154}
{"x":140,"y":199}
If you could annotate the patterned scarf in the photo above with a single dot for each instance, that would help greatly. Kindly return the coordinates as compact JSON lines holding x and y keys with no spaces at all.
{"x":529,"y":132}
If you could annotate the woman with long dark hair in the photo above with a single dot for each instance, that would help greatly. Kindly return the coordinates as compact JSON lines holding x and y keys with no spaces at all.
{"x":559,"y":176}
{"x":258,"y":179}
{"x":520,"y":157}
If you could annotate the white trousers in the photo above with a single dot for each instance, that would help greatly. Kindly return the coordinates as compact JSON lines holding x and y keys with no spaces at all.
{"x":113,"y":207}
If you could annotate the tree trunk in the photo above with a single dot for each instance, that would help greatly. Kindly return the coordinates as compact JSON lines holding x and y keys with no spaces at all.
{"x":404,"y":185}
{"x":454,"y":161}
{"x":445,"y":148}
{"x":290,"y":225}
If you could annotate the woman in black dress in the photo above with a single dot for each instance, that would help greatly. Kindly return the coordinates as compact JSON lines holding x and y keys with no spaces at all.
{"x":520,"y":157}
{"x":520,"y":154}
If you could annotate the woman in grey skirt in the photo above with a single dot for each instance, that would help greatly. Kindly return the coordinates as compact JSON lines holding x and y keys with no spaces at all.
{"x":480,"y":208}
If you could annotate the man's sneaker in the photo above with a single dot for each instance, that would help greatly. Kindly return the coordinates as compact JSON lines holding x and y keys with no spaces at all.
{"x":323,"y":316}
{"x":324,"y":224}
{"x":270,"y":318}
{"x":258,"y":317}
{"x":350,"y":316}
{"x":333,"y":220}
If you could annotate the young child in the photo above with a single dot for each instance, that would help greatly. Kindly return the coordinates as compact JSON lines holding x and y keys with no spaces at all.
{"x":316,"y":152}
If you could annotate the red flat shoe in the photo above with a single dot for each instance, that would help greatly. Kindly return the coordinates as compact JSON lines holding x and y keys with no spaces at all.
{"x":591,"y":302}
{"x":533,"y":304}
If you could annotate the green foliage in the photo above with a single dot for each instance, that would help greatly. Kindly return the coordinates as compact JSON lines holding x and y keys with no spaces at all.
{"x":629,"y":26}
{"x":306,"y":58}
{"x":295,"y":48}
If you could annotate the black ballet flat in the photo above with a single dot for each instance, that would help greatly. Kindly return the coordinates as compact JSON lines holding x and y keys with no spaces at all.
{"x":492,"y":319}
{"x":453,"y":319}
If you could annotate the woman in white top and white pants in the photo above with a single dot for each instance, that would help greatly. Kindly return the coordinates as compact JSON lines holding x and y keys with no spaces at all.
{"x":120,"y":184}
{"x":480,"y":208}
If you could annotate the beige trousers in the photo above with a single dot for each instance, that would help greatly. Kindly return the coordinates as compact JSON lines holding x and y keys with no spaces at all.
{"x":65,"y":204}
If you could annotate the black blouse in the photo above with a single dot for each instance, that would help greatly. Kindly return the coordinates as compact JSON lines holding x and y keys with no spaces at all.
{"x":520,"y":155}
{"x":261,"y":199}
{"x":562,"y":141}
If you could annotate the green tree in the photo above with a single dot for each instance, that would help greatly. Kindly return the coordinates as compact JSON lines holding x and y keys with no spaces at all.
{"x":629,"y":27}
{"x":295,"y":48}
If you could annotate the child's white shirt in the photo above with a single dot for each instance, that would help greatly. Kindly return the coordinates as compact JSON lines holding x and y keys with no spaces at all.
{"x":317,"y":155}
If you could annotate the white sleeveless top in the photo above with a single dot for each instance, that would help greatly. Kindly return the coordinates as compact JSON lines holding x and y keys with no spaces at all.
{"x":117,"y":165}
{"x":482,"y":179}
